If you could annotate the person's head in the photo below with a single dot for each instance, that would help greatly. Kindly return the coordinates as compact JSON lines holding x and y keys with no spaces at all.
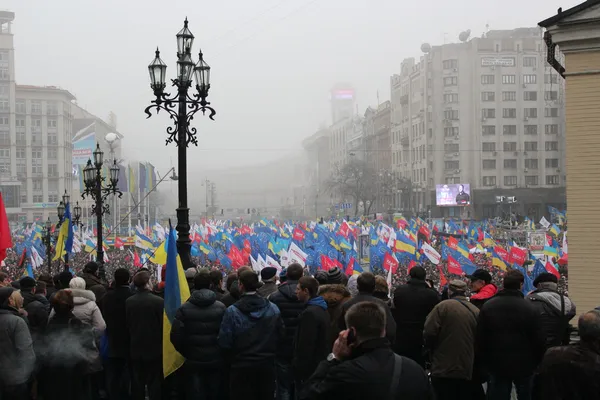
{"x":456,"y":288}
{"x":47,"y":279}
{"x":513,"y":280}
{"x":268,"y":274}
{"x":202,"y":280}
{"x":141,"y":280}
{"x":367,"y":319}
{"x":295,"y":272}
{"x":334,"y":276}
{"x":190,"y":273}
{"x":461,"y":188}
{"x":479,"y":279}
{"x":381,"y":285}
{"x":15,"y":300}
{"x":77,"y":283}
{"x":216,"y":279}
{"x":232,"y":277}
{"x":589,"y":327}
{"x":40,"y":288}
{"x":27,"y":284}
{"x":417,"y":273}
{"x":91,"y":268}
{"x":366,"y":283}
{"x":243,"y":268}
{"x":546,"y":280}
{"x":64,"y":278}
{"x":307,"y":288}
{"x":122,"y":277}
{"x":56,"y":281}
{"x":4,"y":280}
{"x":62,"y":302}
{"x":248,"y":281}
{"x":321,"y":277}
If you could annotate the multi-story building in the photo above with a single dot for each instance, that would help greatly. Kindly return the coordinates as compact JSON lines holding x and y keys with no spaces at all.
{"x":488,"y":112}
{"x":316,"y":148}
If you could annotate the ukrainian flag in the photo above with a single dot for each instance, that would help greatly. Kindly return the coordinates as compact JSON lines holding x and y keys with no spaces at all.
{"x":497,"y":261}
{"x":64,"y":243}
{"x":132,"y":180}
{"x":463,"y":249}
{"x":405,"y":244}
{"x":554,"y":230}
{"x":176,"y":293}
{"x":488,"y":240}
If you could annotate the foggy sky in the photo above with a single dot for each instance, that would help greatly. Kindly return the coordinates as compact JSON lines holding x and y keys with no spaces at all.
{"x":273,"y":61}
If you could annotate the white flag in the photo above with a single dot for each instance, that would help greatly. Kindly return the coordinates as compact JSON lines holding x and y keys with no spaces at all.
{"x":431,"y":253}
{"x":564,"y":246}
{"x":273,"y":263}
{"x":296,"y":255}
{"x":544,"y":222}
{"x":285,"y":259}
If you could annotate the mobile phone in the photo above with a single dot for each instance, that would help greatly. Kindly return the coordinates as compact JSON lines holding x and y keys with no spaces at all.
{"x":351,"y":338}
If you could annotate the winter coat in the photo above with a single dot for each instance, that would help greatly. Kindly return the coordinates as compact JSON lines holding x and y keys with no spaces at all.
{"x":570,"y":372}
{"x":509,"y":336}
{"x":17,"y":358}
{"x":195,"y":331}
{"x":87,"y":310}
{"x":335,"y":296}
{"x":250,"y":332}
{"x":480,"y":298}
{"x":390,"y":327}
{"x":449,"y":333}
{"x":367,"y":374}
{"x":233,"y":295}
{"x":37,"y":313}
{"x":144,"y":316}
{"x":311,"y":344}
{"x":114,"y":311}
{"x":555,"y":311}
{"x":290,"y":307}
{"x":92,"y":280}
{"x":412,"y":304}
{"x":267,"y":289}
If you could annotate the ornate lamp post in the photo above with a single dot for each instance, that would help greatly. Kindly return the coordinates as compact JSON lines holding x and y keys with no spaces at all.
{"x":99,"y":191}
{"x":182,"y":107}
{"x":48,"y":243}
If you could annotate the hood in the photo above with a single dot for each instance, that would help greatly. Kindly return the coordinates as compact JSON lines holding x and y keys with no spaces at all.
{"x":203,"y":297}
{"x":288,"y":290}
{"x":81,"y":296}
{"x":552,"y":298}
{"x":489,"y":290}
{"x":334,"y":294}
{"x":253,"y":305}
{"x":317,"y":301}
{"x":234,"y":290}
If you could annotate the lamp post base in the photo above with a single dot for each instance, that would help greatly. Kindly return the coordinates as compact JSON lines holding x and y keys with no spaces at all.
{"x":184,"y":244}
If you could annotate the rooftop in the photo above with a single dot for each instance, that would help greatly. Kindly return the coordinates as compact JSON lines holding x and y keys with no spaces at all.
{"x":560,"y":15}
{"x":33,"y":88}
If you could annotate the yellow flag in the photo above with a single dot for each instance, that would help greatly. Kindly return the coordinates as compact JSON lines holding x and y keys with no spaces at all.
{"x":60,"y":242}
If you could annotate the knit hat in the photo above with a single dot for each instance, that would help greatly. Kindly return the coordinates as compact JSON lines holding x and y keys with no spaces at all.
{"x":481,"y":275}
{"x":334,"y":275}
{"x":27,"y":282}
{"x":322,"y":277}
{"x":545,"y":277}
{"x":268,"y":273}
{"x":190,"y":273}
{"x":457,"y":286}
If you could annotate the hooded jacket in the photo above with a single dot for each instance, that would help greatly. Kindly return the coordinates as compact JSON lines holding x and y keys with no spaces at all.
{"x":290,"y":307}
{"x":555,"y":311}
{"x":335,"y":296}
{"x":17,"y":358}
{"x":480,"y":298}
{"x":86,"y":310}
{"x":250,"y":331}
{"x":195,"y":330}
{"x":311,"y":344}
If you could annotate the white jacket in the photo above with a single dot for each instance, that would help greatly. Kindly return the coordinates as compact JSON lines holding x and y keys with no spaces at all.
{"x":87,"y":310}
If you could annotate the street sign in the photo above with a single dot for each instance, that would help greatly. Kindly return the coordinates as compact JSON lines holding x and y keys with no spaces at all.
{"x":343,"y":206}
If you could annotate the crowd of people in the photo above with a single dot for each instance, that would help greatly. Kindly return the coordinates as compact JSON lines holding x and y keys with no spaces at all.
{"x":290,"y":335}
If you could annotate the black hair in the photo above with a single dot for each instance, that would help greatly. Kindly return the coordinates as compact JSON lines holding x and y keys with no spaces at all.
{"x":366,"y":282}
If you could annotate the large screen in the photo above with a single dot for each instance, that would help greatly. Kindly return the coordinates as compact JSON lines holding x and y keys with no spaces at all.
{"x":453,"y":194}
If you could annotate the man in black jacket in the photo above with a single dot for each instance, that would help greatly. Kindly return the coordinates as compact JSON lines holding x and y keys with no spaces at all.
{"x":194,"y":335}
{"x":412,"y":304}
{"x":290,"y":306}
{"x":311,"y":344}
{"x":363,"y":366}
{"x":509,"y":340}
{"x":365,"y":283}
{"x":114,"y":313}
{"x":37,"y":312}
{"x":144,"y":320}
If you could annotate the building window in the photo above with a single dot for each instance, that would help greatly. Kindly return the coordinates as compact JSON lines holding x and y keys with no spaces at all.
{"x":20,"y":123}
{"x":551,"y":162}
{"x":52,"y":123}
{"x":450,"y":64}
{"x":451,"y":114}
{"x":36,"y":107}
{"x":531,"y":163}
{"x":508,"y":79}
{"x":510,"y":180}
{"x":551,"y":95}
{"x":529,"y":61}
{"x":20,"y":107}
{"x":551,"y":146}
{"x":451,"y":98}
{"x":551,"y":129}
{"x":4,"y":90}
{"x":552,"y":179}
{"x":487,"y":79}
{"x":551,"y":78}
{"x":5,"y":138}
{"x":451,"y":131}
{"x":530,"y":112}
{"x":510,"y":163}
{"x":4,"y":75}
{"x":452,"y":180}
{"x":488,"y":146}
{"x":489,"y":164}
{"x":488,"y":96}
{"x":52,"y":139}
{"x":509,"y":113}
{"x":4,"y":153}
{"x":451,"y":81}
{"x":451,"y":147}
{"x":52,"y":171}
{"x":531,"y":129}
{"x":52,"y":153}
{"x":488,"y":130}
{"x":36,"y":138}
{"x":531,"y":180}
{"x":21,"y":138}
{"x":530,"y":96}
{"x":489,"y":181}
{"x":488,"y":113}
{"x":510,"y":146}
{"x":52,"y":108}
{"x":529,"y":79}
{"x":509,"y":130}
{"x":551,"y":112}
{"x":450,"y":165}
{"x":37,"y":184}
{"x":531,"y":146}
{"x":36,"y":169}
{"x":4,"y":121}
{"x":53,"y":185}
{"x":21,"y":154}
{"x":509,"y":96}
{"x":38,"y":198}
{"x":52,"y":198}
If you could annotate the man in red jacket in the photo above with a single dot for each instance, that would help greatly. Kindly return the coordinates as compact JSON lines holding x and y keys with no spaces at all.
{"x":482,"y":287}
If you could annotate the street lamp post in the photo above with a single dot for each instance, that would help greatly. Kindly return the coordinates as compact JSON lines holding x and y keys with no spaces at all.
{"x":98,"y":191}
{"x":48,"y":244}
{"x":182,"y":107}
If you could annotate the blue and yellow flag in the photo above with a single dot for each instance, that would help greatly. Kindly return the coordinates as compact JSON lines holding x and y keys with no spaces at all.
{"x":132,"y":180}
{"x":176,"y":293}
{"x":64,"y":243}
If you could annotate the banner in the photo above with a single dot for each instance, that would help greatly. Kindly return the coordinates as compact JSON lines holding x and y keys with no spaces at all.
{"x":431,"y":253}
{"x":83,"y":149}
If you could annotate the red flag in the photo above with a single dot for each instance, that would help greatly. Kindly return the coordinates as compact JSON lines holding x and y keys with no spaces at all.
{"x":550,"y":268}
{"x":136,"y":260}
{"x":119,"y":243}
{"x":424,"y":229}
{"x":443,"y":280}
{"x":517,"y":256}
{"x":502,"y":253}
{"x":23,"y":258}
{"x":326,"y":263}
{"x":350,"y":267}
{"x":390,"y":262}
{"x":298,"y":234}
{"x":452,"y":243}
{"x":401,"y":223}
{"x":480,"y":235}
{"x":247,"y":246}
{"x":5,"y":237}
{"x":411,"y":265}
{"x":454,"y":266}
{"x":344,"y":229}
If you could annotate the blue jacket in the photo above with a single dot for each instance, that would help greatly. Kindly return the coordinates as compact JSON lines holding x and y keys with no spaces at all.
{"x":250,"y":331}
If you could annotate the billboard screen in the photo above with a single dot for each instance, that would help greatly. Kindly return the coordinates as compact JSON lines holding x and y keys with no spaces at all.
{"x":83,"y":148}
{"x":453,"y":194}
{"x":342,"y":94}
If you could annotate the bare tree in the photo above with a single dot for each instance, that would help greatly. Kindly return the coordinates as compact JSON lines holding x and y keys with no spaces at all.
{"x":356,"y":181}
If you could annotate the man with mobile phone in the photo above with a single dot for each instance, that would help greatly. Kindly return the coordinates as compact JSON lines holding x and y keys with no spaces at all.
{"x":363,"y":366}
